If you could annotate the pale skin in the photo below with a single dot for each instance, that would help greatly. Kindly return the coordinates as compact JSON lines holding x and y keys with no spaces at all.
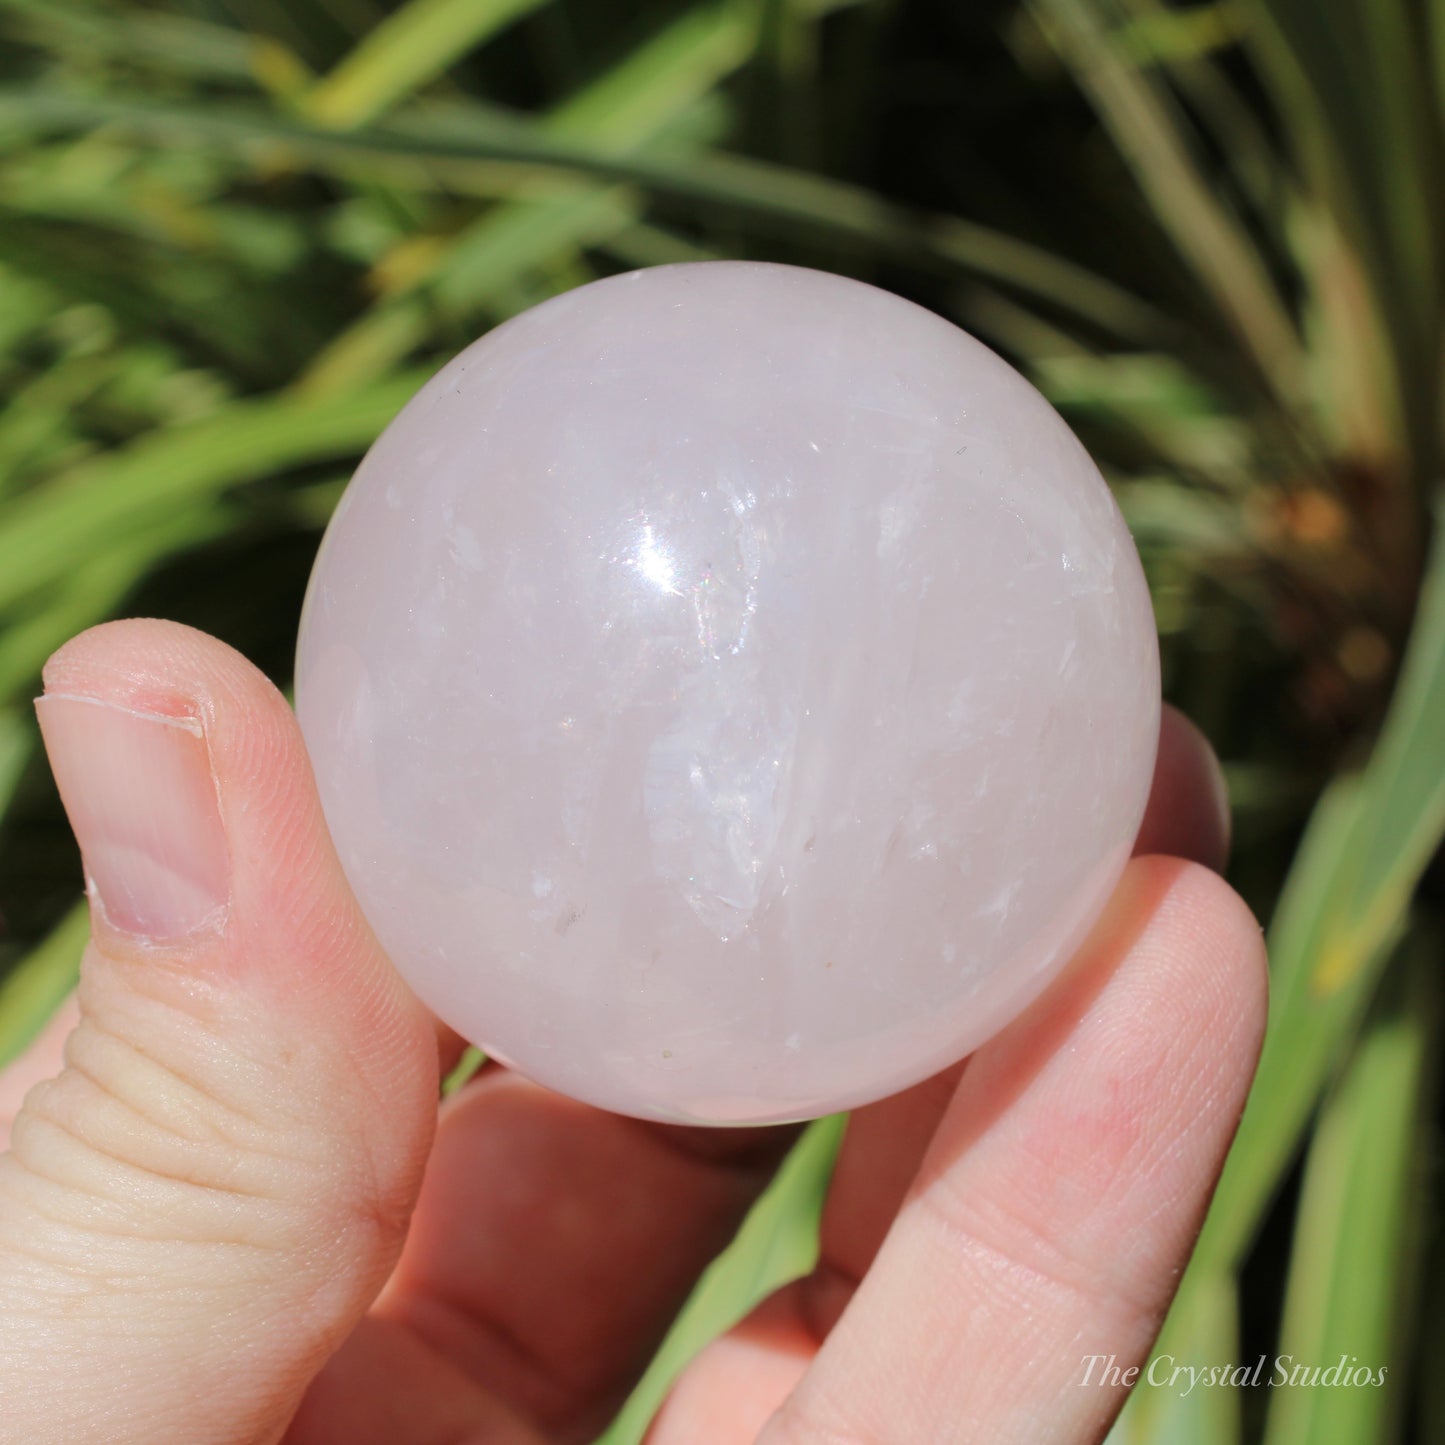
{"x":232,"y":1211}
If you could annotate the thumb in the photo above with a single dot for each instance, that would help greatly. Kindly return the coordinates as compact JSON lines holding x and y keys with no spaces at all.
{"x":203,"y":1203}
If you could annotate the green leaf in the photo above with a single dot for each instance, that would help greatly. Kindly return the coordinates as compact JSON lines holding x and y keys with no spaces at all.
{"x":627,"y":107}
{"x":783,"y":90}
{"x":1151,"y":134}
{"x":17,"y":742}
{"x":788,"y":199}
{"x":407,"y":50}
{"x":1402,"y":814}
{"x":1357,"y":1235}
{"x":1430,"y":1384}
{"x":1340,"y":916}
{"x":125,"y":494}
{"x":1353,"y":89}
{"x":466,"y":1069}
{"x":177,"y":44}
{"x":657,"y":81}
{"x":1162,"y":1410}
{"x":778,"y":1242}
{"x":1342,"y":912}
{"x":33,"y":990}
{"x":92,"y":593}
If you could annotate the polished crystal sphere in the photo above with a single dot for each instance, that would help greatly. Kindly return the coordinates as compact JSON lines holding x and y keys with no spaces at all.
{"x":733,"y":692}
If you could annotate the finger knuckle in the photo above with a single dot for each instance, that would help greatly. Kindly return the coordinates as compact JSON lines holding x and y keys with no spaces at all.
{"x":803,"y":1419}
{"x":176,"y":1120}
{"x":1019,"y":1257}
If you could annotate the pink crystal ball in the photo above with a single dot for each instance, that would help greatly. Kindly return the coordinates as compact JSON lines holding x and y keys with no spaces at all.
{"x":733,"y":692}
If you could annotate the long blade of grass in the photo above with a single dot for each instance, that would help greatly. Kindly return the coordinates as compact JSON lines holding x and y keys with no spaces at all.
{"x":1357,"y":1239}
{"x":1430,"y":1384}
{"x":657,"y":81}
{"x":1402,"y":816}
{"x":626,"y":107}
{"x":17,"y":742}
{"x":1151,"y":136}
{"x":1436,"y":22}
{"x":127,"y":493}
{"x":1187,"y":45}
{"x":1163,"y":1409}
{"x":1341,"y":915}
{"x":410,"y":48}
{"x":92,"y":593}
{"x":792,"y":200}
{"x":1356,"y":99}
{"x":35,"y":988}
{"x":782,"y":96}
{"x":180,"y":45}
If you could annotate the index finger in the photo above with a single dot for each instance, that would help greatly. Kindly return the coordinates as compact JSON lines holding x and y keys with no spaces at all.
{"x":1063,"y":1191}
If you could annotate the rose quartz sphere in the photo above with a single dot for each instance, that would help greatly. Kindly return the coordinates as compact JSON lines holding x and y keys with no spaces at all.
{"x":733,"y":692}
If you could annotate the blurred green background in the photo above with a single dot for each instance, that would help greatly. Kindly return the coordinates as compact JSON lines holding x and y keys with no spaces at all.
{"x":235,"y":235}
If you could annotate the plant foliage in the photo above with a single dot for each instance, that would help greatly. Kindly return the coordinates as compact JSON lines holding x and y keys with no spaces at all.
{"x":235,"y":235}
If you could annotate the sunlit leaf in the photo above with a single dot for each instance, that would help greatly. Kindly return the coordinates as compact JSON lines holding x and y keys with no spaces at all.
{"x":411,"y":46}
{"x":31,"y":993}
{"x":1354,"y":1267}
{"x":788,"y":199}
{"x":1149,"y":132}
{"x":128,"y":493}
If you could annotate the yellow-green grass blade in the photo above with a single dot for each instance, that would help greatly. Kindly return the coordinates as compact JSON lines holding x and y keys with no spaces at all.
{"x":521,"y":238}
{"x":774,"y":196}
{"x":1153,"y":33}
{"x":1437,"y":51}
{"x":36,"y":987}
{"x":1358,"y":100}
{"x":410,"y":48}
{"x":655,"y":82}
{"x":524,"y":237}
{"x":62,"y":256}
{"x":1338,"y":919}
{"x":92,"y":593}
{"x":1356,"y":1254}
{"x":1353,"y":89}
{"x":626,"y":107}
{"x":1186,"y":44}
{"x":1342,"y":912}
{"x":27,"y":306}
{"x":648,"y":245}
{"x":782,"y":99}
{"x":1430,"y":1383}
{"x":1184,"y":520}
{"x":1184,"y":425}
{"x":1307,"y":1031}
{"x":778,"y":1242}
{"x":1150,"y":134}
{"x":1305,"y":1038}
{"x":1163,"y":1408}
{"x":465,"y":1070}
{"x":178,"y":44}
{"x":1402,"y":816}
{"x":370,"y":347}
{"x":43,"y":422}
{"x":17,"y":744}
{"x":124,"y":494}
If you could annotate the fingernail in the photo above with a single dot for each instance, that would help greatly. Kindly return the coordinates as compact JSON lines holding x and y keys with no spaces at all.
{"x":141,"y":796}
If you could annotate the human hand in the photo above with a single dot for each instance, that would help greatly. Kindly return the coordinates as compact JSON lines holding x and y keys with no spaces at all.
{"x":232,"y":1215}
